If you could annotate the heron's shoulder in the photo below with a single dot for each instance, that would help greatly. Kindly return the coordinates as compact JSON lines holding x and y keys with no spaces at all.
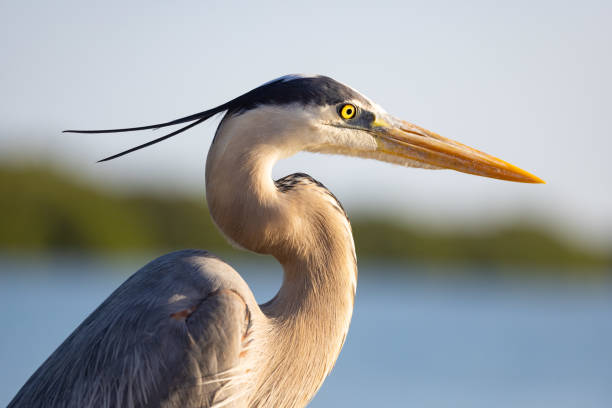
{"x":192,"y":271}
{"x":203,"y":313}
{"x":176,"y":331}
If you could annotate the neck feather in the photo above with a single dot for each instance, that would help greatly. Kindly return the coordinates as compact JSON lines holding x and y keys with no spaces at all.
{"x":306,"y":232}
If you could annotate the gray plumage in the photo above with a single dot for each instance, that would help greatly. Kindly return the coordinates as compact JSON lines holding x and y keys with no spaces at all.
{"x":156,"y":340}
{"x":185,"y":330}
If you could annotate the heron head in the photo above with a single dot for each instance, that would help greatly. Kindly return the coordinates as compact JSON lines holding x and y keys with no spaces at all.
{"x":334,"y":118}
{"x":318,"y":114}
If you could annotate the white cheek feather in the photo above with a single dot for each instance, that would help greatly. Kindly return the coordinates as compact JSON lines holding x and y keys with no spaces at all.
{"x":350,"y":142}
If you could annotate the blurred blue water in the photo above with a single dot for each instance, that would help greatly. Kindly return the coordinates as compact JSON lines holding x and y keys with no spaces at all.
{"x":414,"y":340}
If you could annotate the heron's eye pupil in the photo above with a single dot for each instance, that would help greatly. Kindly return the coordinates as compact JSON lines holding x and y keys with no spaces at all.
{"x":348,"y":111}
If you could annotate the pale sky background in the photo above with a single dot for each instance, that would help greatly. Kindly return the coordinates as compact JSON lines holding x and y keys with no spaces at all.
{"x":527,"y":81}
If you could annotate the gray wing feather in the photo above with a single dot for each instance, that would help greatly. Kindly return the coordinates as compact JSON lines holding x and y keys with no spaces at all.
{"x":171,"y":336}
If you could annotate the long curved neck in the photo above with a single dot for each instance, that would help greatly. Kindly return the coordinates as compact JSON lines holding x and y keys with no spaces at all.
{"x":305,"y":231}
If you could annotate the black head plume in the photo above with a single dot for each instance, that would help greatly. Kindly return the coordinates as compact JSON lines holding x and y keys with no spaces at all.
{"x":196,"y":119}
{"x":301,"y":89}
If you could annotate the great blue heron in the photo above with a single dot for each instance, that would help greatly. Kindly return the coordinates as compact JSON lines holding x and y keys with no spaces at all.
{"x":185,"y":330}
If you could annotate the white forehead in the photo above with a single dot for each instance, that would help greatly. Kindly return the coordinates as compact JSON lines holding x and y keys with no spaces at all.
{"x":375,"y":107}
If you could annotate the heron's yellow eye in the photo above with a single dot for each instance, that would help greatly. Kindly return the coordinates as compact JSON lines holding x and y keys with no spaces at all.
{"x":348,"y":111}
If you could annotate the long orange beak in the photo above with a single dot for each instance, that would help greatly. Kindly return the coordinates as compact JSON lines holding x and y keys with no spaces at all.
{"x":406,"y":140}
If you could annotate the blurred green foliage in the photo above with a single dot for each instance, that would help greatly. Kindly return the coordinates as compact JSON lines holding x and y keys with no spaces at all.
{"x":519,"y":245}
{"x":41,"y":210}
